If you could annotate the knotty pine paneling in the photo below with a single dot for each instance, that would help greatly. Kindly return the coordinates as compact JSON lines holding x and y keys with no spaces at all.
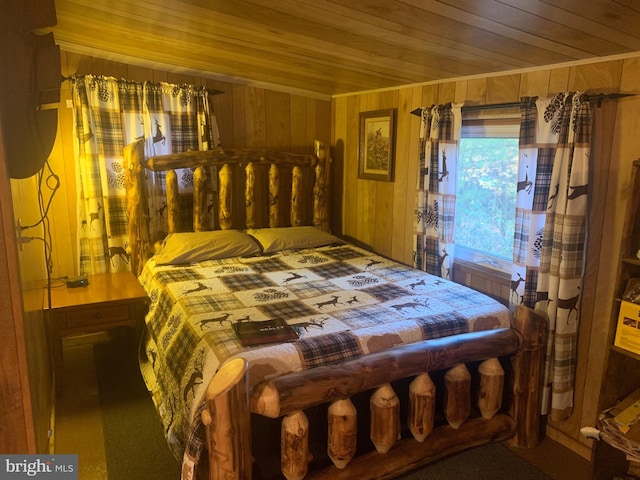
{"x":330,"y":47}
{"x":615,"y":147}
{"x":247,"y":117}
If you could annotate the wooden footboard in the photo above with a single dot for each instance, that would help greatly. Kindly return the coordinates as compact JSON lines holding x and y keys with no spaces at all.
{"x":490,"y":392}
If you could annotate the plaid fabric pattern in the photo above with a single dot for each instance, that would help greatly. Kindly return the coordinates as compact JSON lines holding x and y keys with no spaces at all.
{"x":554,"y":229}
{"x":268,"y":264}
{"x":287,"y":310}
{"x":179,"y":352}
{"x":531,"y":296}
{"x":164,"y":305}
{"x":344,"y":254}
{"x":130,"y":98}
{"x":453,"y":297}
{"x":431,"y":257}
{"x":108,"y":114}
{"x":184,"y":131}
{"x":398,"y":274}
{"x":542,"y":187}
{"x":387,"y":292}
{"x":312,"y":289}
{"x":209,"y":303}
{"x":108,"y":128}
{"x":436,"y":195}
{"x":178,"y":275}
{"x":333,"y":270}
{"x":564,"y":363}
{"x":365,"y":317}
{"x":117,"y":214}
{"x":348,"y":298}
{"x":434,"y":162}
{"x":325,"y":350}
{"x":443,"y":325}
{"x":446,"y":222}
{"x":528,"y":119}
{"x":521,"y":236}
{"x":247,"y":282}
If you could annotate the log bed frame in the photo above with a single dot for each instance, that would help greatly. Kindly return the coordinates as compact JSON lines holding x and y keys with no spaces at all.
{"x":501,"y":401}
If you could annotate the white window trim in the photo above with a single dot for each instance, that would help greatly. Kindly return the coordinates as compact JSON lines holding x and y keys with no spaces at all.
{"x":505,"y":126}
{"x":483,"y":260}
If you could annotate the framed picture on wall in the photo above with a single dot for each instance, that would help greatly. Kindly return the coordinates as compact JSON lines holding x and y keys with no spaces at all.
{"x":376,"y":147}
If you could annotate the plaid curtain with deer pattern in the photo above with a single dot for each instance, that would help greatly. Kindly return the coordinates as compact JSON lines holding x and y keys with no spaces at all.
{"x":551,"y":230}
{"x":436,"y":190}
{"x":108,"y":114}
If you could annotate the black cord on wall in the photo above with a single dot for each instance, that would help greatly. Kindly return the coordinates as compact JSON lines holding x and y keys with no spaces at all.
{"x":46,"y":177}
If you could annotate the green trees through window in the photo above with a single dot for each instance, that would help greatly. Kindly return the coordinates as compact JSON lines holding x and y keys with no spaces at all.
{"x":486,"y":195}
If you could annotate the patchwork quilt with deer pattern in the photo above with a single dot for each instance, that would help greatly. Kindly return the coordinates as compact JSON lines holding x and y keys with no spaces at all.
{"x":342,"y":300}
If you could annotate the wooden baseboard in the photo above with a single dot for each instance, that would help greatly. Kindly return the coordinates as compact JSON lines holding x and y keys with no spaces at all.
{"x":585,"y":450}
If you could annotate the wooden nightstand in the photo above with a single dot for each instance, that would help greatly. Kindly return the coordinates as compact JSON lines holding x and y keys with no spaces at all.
{"x":110,"y":300}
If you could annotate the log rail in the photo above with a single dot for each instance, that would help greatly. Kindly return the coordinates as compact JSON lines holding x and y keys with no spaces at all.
{"x":520,"y":348}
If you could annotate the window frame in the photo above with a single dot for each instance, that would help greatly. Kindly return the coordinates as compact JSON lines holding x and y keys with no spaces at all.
{"x":487,"y":126}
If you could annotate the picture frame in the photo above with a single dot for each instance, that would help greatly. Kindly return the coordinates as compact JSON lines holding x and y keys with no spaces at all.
{"x":376,"y":150}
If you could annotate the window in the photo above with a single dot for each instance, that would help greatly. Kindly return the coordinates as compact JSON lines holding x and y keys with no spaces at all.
{"x":486,"y":191}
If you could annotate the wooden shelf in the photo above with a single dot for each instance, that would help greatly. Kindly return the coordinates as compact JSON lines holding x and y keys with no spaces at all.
{"x":622,"y":351}
{"x":620,"y":378}
{"x":631,"y":261}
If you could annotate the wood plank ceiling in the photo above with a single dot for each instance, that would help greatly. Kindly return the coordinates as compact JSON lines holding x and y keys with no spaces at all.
{"x":329,"y":47}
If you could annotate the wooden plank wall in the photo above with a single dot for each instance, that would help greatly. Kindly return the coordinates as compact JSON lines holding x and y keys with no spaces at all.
{"x":247,"y":117}
{"x":379,"y":214}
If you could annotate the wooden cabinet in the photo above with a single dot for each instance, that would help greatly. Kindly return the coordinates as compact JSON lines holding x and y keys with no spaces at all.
{"x":110,"y":300}
{"x":622,"y":370}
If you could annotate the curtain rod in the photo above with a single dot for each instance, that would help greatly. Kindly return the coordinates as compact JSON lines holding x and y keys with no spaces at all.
{"x":211,"y":91}
{"x":598,"y":97}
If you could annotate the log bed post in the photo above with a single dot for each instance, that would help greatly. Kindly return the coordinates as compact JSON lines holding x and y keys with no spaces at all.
{"x":274,"y":196}
{"x":491,"y":387}
{"x":296,"y":196}
{"x":320,"y":188}
{"x":527,"y":367}
{"x":342,"y":436}
{"x":385,"y":420}
{"x":199,"y":200}
{"x":457,"y":383}
{"x":139,"y":247}
{"x":249,"y":193}
{"x":228,"y":424}
{"x":294,"y":446}
{"x":225,"y":176}
{"x":173,"y":200}
{"x":422,"y":406}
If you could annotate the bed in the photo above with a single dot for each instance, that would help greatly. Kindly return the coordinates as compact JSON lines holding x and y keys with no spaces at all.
{"x":385,"y":369}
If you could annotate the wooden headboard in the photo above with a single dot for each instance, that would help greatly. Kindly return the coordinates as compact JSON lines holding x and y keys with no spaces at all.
{"x":251,"y":189}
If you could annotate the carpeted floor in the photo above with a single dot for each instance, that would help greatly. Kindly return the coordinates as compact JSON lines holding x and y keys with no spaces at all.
{"x":136,"y":449}
{"x":134,"y":442}
{"x":489,"y":462}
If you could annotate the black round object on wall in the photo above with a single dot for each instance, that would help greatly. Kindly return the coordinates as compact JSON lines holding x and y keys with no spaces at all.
{"x":29,"y":88}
